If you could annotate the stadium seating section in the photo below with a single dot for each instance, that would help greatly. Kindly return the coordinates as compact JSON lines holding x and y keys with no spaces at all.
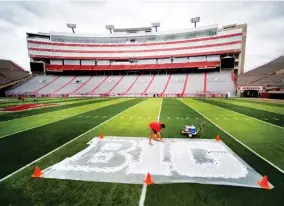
{"x":10,"y":72}
{"x":270,"y":74}
{"x":128,"y":85}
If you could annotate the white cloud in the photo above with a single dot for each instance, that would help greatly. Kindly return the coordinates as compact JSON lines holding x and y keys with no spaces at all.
{"x":265,"y":21}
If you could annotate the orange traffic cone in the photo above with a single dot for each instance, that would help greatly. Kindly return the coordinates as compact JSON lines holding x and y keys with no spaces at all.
{"x":218,"y":138}
{"x":264,"y":183}
{"x":101,"y":135}
{"x":148,"y":180}
{"x":37,"y":172}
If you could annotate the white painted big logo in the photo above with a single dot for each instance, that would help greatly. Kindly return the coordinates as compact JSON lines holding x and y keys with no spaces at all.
{"x":127,"y":160}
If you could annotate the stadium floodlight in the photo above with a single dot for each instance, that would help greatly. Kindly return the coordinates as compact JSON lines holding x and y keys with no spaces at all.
{"x":195,"y":20}
{"x":71,"y":26}
{"x":156,"y":25}
{"x":110,"y":28}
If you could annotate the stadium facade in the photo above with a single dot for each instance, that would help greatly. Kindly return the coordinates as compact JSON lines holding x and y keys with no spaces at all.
{"x":137,"y":61}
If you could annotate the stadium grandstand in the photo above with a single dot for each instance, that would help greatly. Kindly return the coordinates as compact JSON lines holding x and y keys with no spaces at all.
{"x":11,"y":74}
{"x":201,"y":61}
{"x":265,"y":81}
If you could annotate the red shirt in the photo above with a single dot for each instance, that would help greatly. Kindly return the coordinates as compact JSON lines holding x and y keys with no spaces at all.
{"x":156,"y":126}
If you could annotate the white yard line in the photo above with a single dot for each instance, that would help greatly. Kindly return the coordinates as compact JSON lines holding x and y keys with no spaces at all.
{"x":275,"y":118}
{"x":4,"y":178}
{"x":144,"y":188}
{"x":278,"y":168}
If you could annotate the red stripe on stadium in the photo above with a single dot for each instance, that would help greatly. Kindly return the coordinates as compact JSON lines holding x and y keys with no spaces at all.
{"x":137,"y":51}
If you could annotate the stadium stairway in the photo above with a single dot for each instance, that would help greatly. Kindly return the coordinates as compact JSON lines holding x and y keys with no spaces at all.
{"x":184,"y":86}
{"x":78,"y":88}
{"x":145,"y":91}
{"x":93,"y":91}
{"x":37,"y":91}
{"x":131,"y":85}
{"x":167,"y":84}
{"x":60,"y":88}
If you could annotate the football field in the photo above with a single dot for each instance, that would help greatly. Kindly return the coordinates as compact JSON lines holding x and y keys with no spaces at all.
{"x":82,"y":169}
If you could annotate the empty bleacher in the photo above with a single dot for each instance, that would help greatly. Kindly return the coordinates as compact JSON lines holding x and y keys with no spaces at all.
{"x":158,"y":84}
{"x":32,"y":85}
{"x":11,"y":72}
{"x":129,"y":85}
{"x":220,"y":83}
{"x":176,"y":84}
{"x":141,"y":84}
{"x":195,"y":84}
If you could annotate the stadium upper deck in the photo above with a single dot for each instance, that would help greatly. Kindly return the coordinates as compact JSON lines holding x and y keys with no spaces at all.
{"x":127,"y":49}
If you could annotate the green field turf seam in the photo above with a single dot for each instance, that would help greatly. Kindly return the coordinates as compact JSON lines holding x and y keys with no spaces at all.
{"x":276,"y":167}
{"x":245,"y":115}
{"x":72,"y":140}
{"x":48,"y":122}
{"x":144,"y":188}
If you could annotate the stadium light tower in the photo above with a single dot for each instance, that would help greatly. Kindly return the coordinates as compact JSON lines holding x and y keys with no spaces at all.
{"x":71,"y":26}
{"x":156,"y":25}
{"x":195,"y":20}
{"x":110,"y":28}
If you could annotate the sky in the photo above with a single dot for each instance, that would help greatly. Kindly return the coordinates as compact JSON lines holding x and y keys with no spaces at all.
{"x":265,"y":37}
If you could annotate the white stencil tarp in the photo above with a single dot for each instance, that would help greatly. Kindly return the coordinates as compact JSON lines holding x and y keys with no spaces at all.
{"x":129,"y":159}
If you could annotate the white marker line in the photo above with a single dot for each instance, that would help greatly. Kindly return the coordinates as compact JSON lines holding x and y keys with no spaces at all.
{"x":197,"y":118}
{"x":216,"y":118}
{"x":252,"y":118}
{"x":144,"y":188}
{"x":187,"y":118}
{"x":104,"y":117}
{"x":226,"y":118}
{"x":168,"y":118}
{"x":278,"y":168}
{"x":149,"y":118}
{"x":4,"y":178}
{"x":54,"y":121}
{"x":275,"y":118}
{"x":143,"y":194}
{"x":177,"y":117}
{"x":140,"y":117}
{"x":131,"y":117}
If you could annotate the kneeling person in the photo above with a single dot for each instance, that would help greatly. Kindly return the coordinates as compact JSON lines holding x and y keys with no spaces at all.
{"x":155,"y":129}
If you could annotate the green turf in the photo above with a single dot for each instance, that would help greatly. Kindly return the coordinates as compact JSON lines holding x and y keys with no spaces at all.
{"x":250,"y":104}
{"x":265,"y":139}
{"x":21,"y":189}
{"x":68,"y":104}
{"x":134,"y":122}
{"x":271,"y":117}
{"x":260,"y":101}
{"x":31,"y":100}
{"x":199,"y":194}
{"x":39,"y":141}
{"x":18,"y":125}
{"x":55,"y":192}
